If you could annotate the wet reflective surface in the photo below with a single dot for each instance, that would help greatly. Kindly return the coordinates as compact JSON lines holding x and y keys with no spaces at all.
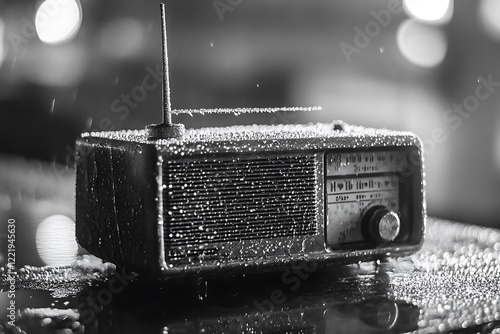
{"x":452,"y":284}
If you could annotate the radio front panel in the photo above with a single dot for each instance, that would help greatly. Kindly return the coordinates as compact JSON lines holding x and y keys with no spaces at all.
{"x":237,"y":208}
{"x":368,"y":198}
{"x":232,"y":208}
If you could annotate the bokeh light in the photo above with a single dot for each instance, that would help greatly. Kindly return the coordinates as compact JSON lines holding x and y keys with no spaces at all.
{"x":5,"y":202}
{"x":489,"y":16}
{"x":59,"y":66}
{"x":421,"y":44}
{"x":435,"y":11}
{"x":58,"y":21}
{"x":122,"y":38}
{"x":55,"y":241}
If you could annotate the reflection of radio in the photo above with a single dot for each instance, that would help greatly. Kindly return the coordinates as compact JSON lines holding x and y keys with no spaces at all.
{"x":347,"y":301}
{"x":169,"y":201}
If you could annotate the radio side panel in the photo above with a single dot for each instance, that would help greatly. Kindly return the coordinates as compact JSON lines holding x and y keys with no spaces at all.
{"x":116,"y":207}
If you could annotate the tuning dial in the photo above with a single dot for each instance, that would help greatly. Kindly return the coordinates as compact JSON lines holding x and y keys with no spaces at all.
{"x":381,"y":225}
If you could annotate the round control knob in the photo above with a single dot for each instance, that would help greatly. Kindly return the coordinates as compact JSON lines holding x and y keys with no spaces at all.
{"x":380,"y":225}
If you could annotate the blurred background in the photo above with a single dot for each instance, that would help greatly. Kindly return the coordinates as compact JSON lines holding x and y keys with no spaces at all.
{"x":67,"y":66}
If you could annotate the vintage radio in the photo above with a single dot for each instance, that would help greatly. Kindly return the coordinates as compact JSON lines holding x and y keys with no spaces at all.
{"x":168,"y":201}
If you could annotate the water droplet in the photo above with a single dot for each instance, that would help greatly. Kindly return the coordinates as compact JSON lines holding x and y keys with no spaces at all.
{"x":89,"y":123}
{"x":53,"y":106}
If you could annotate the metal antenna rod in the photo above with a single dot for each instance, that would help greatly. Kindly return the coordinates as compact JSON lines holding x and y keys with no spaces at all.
{"x":167,"y":107}
{"x":165,"y":129}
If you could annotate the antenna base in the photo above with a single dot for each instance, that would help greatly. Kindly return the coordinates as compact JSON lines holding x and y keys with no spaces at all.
{"x":165,"y":131}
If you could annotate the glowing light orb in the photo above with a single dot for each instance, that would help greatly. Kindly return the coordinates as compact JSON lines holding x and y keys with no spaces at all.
{"x":489,"y":13}
{"x":55,"y":241}
{"x":58,"y":21}
{"x":421,"y":44}
{"x":439,"y":11}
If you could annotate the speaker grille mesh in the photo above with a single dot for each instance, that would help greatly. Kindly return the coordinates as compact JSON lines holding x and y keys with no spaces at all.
{"x":212,"y":201}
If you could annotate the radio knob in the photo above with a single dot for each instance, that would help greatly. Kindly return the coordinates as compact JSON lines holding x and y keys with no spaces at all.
{"x":380,"y":225}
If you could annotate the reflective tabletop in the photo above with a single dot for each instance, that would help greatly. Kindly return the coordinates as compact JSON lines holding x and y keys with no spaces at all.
{"x":451,"y":285}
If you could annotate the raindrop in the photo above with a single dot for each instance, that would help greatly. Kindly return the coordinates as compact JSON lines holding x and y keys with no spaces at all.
{"x":74,"y":95}
{"x":53,"y":106}
{"x":13,"y":63}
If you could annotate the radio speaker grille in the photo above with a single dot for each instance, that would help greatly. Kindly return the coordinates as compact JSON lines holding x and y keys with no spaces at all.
{"x":224,"y":200}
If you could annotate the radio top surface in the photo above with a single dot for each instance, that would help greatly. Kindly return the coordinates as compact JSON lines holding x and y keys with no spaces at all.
{"x":262,"y":138}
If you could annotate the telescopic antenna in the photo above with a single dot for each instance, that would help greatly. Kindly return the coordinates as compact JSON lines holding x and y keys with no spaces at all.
{"x":167,"y":107}
{"x":165,"y":129}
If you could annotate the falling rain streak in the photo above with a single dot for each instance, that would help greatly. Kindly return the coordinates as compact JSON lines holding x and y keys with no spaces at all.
{"x":52,"y":107}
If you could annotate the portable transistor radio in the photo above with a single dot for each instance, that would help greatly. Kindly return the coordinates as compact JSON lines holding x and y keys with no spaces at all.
{"x":168,"y":201}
